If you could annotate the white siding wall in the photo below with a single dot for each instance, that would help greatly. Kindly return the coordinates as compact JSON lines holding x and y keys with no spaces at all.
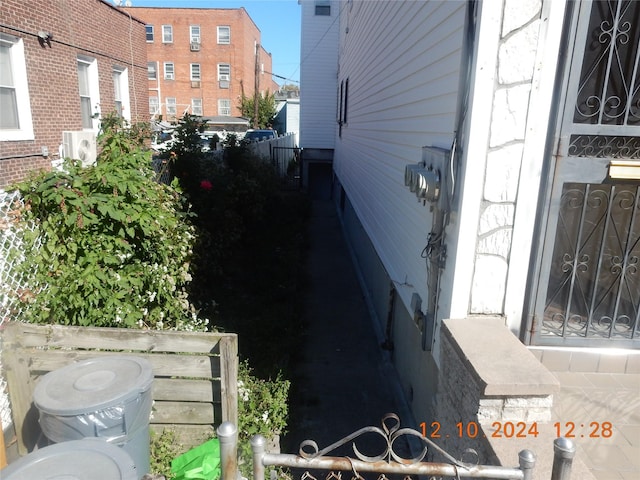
{"x":402,"y":60}
{"x":318,"y":72}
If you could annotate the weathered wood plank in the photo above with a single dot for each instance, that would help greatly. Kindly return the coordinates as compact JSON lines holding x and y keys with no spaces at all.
{"x":193,"y":413}
{"x":229,"y":379}
{"x":175,"y":389}
{"x":194,"y":373}
{"x":164,"y":365}
{"x":117,"y":339}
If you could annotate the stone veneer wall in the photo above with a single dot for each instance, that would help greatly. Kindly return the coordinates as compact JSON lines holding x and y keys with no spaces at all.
{"x":487,"y":376}
{"x":517,"y":50}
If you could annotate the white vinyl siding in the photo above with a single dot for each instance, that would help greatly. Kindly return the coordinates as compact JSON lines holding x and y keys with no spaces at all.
{"x":402,"y":62}
{"x":318,"y":74}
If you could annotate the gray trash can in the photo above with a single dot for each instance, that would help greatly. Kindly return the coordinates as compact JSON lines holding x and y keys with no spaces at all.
{"x":78,"y":459}
{"x":106,"y":397}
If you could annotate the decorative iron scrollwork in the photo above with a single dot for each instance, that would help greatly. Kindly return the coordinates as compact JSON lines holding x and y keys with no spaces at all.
{"x":390,"y":433}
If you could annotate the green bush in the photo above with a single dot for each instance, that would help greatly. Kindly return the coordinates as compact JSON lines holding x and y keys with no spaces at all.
{"x":262,"y":410}
{"x":111,"y":246}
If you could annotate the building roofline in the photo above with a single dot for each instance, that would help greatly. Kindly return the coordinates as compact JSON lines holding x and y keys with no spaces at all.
{"x":121,"y":11}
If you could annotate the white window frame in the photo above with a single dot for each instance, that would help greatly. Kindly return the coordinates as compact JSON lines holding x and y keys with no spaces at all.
{"x":224,"y":39}
{"x":121,"y":83}
{"x":167,"y":33}
{"x":224,"y":107}
{"x":194,"y":33}
{"x":150,"y":31}
{"x":172,"y":106}
{"x":222,"y":77}
{"x":155,"y":70}
{"x":196,"y":106}
{"x":21,"y":88}
{"x":93,"y":93}
{"x":154,"y":105}
{"x":196,"y":72}
{"x":169,"y":71}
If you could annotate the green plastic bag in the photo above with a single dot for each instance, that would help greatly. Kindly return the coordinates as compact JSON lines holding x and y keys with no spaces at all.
{"x":199,"y":463}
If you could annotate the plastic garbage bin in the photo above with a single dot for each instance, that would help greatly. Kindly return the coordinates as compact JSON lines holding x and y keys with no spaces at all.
{"x":107,"y":397}
{"x":77,"y":459}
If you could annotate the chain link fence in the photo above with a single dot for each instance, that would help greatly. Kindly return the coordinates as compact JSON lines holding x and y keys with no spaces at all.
{"x":11,"y":283}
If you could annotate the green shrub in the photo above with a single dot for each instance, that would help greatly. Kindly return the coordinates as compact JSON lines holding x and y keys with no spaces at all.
{"x":111,"y":246}
{"x":262,"y":409}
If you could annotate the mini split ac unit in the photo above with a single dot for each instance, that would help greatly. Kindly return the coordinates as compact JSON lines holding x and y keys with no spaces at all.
{"x":195,"y":47}
{"x":80,"y":146}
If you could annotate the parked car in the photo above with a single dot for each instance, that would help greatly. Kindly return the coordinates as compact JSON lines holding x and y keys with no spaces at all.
{"x":257,"y":135}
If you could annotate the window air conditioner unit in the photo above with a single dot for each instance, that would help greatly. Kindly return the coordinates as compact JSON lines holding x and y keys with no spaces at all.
{"x":224,"y":84}
{"x":224,"y":78}
{"x":195,"y":84}
{"x":168,"y":76}
{"x":80,"y":146}
{"x":195,"y":47}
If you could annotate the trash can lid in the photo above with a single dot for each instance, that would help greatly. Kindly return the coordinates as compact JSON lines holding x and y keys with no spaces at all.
{"x":76,"y":459}
{"x":91,"y":385}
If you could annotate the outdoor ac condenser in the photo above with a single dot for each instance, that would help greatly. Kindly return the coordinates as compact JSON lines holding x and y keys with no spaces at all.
{"x":80,"y":146}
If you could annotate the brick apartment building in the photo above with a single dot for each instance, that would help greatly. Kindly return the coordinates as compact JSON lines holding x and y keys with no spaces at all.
{"x":202,"y":60}
{"x":63,"y":64}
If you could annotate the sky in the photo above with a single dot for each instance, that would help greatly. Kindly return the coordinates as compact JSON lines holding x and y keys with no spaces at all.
{"x":278,"y":21}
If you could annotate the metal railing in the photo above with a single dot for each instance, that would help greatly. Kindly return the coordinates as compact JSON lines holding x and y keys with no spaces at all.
{"x":389,"y":462}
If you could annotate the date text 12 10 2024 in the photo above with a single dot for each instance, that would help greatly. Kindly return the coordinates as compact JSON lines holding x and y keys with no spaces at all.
{"x":517,"y":430}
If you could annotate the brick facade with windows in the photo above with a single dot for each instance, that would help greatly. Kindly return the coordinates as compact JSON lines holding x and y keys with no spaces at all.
{"x":210,"y":53}
{"x":48,"y":95}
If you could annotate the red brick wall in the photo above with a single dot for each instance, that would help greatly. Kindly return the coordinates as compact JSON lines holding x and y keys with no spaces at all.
{"x":92,"y":28}
{"x":240,"y":54}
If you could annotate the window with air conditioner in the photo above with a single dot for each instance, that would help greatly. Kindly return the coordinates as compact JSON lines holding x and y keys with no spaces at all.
{"x":167,"y":34}
{"x":169,"y":71}
{"x":89,"y":92}
{"x":149,"y":32}
{"x":194,"y":33}
{"x":224,"y":35}
{"x":15,"y":117}
{"x":224,"y":107}
{"x":224,"y":72}
{"x":172,"y":106}
{"x":195,"y":47}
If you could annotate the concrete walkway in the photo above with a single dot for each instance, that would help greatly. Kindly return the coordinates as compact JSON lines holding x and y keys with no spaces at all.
{"x":603,"y":412}
{"x":343,"y":381}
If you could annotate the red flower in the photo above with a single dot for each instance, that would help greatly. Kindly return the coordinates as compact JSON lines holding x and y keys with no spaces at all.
{"x":206,"y":185}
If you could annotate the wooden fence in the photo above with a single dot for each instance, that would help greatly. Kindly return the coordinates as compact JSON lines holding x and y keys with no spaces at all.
{"x":195,"y":384}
